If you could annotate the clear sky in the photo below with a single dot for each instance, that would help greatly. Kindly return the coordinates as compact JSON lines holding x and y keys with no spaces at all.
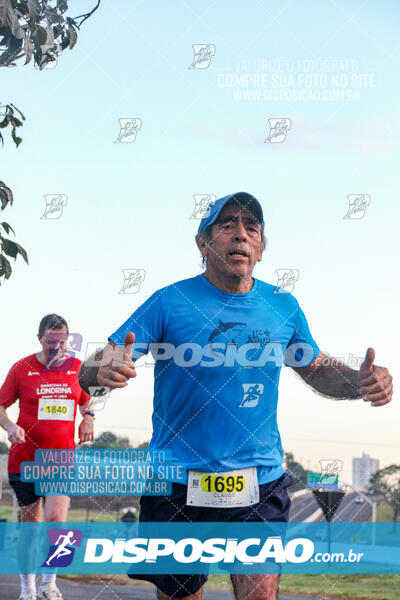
{"x":334,"y":69}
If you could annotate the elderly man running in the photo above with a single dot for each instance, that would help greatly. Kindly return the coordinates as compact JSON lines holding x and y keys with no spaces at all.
{"x":219,"y":340}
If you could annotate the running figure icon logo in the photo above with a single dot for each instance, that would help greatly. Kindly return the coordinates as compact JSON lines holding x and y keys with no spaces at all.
{"x":278,"y":129}
{"x":286,"y":280}
{"x":61,"y":550}
{"x":251,"y":396}
{"x":98,"y":394}
{"x":330,"y":470}
{"x":358,"y":204}
{"x":203,"y":54}
{"x":203,"y":204}
{"x":55,"y":203}
{"x":128,"y":129}
{"x":132,"y":280}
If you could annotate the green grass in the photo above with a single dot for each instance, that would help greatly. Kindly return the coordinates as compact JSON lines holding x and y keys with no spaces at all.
{"x":218,"y":582}
{"x":5,"y":512}
{"x":345,"y":587}
{"x":79,"y":515}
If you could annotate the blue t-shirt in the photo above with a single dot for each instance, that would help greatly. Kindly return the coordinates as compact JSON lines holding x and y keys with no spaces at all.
{"x":218,"y":358}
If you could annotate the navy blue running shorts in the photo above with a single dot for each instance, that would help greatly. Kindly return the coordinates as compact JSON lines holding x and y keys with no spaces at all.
{"x":273,"y":506}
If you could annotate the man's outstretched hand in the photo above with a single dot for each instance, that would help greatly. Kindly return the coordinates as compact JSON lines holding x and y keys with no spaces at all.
{"x":117,"y":366}
{"x":375,"y":382}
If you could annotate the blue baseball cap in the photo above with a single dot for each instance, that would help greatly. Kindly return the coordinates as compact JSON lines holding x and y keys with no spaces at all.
{"x":242,"y":198}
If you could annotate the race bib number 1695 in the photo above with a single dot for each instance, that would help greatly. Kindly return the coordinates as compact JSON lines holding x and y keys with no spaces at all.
{"x":223,"y":490}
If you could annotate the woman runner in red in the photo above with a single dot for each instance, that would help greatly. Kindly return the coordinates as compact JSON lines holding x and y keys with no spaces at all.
{"x":47,"y":387}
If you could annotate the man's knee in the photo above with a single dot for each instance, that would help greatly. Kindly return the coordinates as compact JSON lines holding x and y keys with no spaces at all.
{"x":255,"y":587}
{"x":56,"y":509}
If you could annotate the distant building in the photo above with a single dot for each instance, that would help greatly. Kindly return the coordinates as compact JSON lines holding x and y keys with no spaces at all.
{"x":363,"y":468}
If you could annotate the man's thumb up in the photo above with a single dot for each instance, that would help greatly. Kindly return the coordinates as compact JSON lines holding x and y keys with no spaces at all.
{"x":367,"y":366}
{"x":375,"y":383}
{"x":128,"y":345}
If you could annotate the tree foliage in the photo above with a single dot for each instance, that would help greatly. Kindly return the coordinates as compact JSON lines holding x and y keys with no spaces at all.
{"x":8,"y":117}
{"x":3,"y":448}
{"x":37,"y":29}
{"x":385,"y":483}
{"x":297,"y":471}
{"x":7,"y":246}
{"x":107,"y":439}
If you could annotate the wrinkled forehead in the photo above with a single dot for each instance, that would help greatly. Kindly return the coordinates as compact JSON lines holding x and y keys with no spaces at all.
{"x":235,"y":208}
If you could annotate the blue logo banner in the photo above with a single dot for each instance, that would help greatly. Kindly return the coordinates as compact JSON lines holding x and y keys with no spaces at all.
{"x":100,"y":548}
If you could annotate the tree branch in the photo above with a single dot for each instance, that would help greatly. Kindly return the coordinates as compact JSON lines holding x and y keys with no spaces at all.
{"x":87,"y":15}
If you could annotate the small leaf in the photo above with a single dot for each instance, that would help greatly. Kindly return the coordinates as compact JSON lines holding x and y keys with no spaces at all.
{"x":16,"y":138}
{"x":62,"y":5}
{"x":5,"y":267}
{"x":57,"y":31}
{"x":18,"y":111}
{"x":15,"y":46}
{"x":4,"y":57}
{"x":72,"y":22}
{"x":73,"y":37}
{"x":6,"y":195}
{"x":22,"y":252}
{"x":4,"y":122}
{"x":40,"y":36}
{"x":7,"y":37}
{"x":34,"y":8}
{"x":9,"y":19}
{"x":7,"y":228}
{"x":51,"y":15}
{"x":64,"y":41}
{"x":28,"y":49}
{"x":10,"y":248}
{"x":50,"y":36}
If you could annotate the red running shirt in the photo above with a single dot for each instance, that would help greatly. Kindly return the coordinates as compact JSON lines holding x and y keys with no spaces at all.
{"x":48,"y":399}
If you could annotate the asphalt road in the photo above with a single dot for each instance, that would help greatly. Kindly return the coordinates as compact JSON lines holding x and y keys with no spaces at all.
{"x":303,"y":507}
{"x":9,"y":590}
{"x":348,"y":510}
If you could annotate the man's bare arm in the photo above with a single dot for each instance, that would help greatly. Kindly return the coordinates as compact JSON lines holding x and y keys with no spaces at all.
{"x":109,"y":368}
{"x":16,"y":434}
{"x":333,"y":379}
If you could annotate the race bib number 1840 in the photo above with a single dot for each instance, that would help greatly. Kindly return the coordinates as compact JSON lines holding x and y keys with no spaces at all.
{"x":56,"y":409}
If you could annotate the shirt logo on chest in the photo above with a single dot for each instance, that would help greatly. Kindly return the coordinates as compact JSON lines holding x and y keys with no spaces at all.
{"x":251,"y":394}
